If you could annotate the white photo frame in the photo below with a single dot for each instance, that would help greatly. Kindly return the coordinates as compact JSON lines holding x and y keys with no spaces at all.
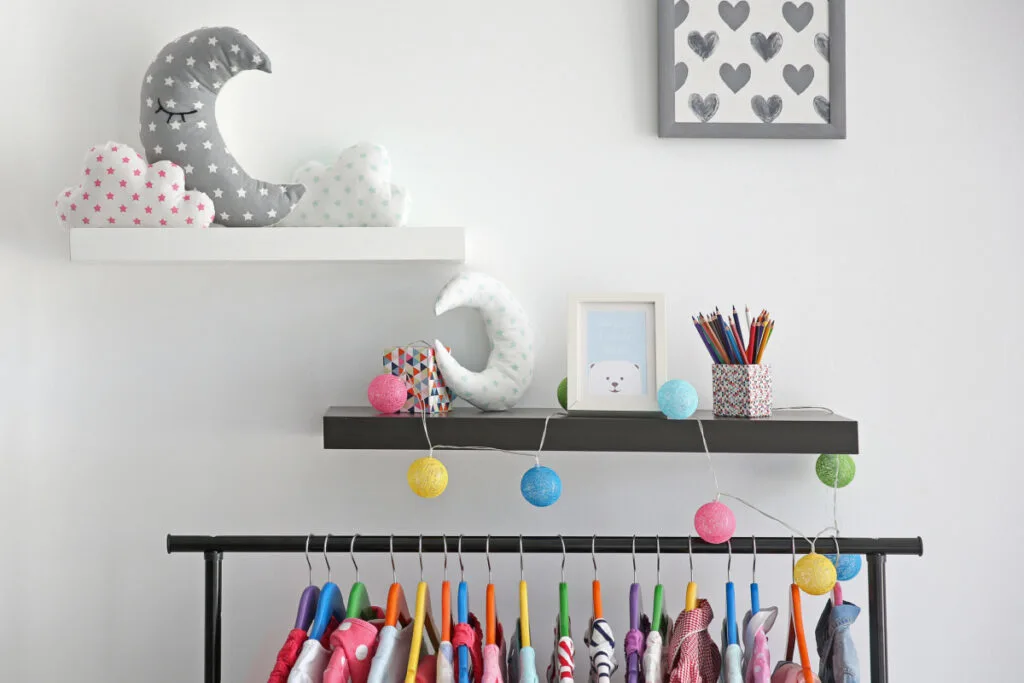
{"x":617,"y":353}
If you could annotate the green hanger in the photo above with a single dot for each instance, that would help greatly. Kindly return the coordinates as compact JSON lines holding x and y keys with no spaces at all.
{"x":358,"y":597}
{"x":563,"y":599}
{"x":659,"y":596}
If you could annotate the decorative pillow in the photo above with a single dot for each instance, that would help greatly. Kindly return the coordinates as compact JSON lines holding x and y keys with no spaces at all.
{"x":179,"y":97}
{"x":118,"y":188}
{"x":354,"y":191}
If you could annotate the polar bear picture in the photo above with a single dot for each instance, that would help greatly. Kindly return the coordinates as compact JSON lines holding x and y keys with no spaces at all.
{"x":616,"y":377}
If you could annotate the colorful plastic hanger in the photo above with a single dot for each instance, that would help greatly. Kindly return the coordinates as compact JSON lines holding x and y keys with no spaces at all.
{"x":463,"y":617}
{"x":563,"y":599}
{"x":423,"y":619}
{"x":691,"y":588}
{"x":660,"y":614}
{"x":491,"y":636}
{"x":308,"y":599}
{"x":755,"y":590}
{"x":837,"y":590}
{"x":397,"y":611}
{"x":796,"y":627}
{"x":730,"y":602}
{"x":598,"y":606}
{"x":635,"y":596}
{"x":330,"y":604}
{"x":524,"y":607}
{"x":358,"y":597}
{"x":446,"y":599}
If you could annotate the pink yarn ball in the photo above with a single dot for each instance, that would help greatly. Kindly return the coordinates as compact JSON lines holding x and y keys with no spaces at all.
{"x":387,"y":393}
{"x":715,"y":522}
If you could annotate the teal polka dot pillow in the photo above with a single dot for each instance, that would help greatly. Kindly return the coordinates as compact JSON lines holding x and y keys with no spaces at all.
{"x":354,"y":191}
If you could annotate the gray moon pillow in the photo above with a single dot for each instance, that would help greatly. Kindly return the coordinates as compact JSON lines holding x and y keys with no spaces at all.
{"x":178,"y":123}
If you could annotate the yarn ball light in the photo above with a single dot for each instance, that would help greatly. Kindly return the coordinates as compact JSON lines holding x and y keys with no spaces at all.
{"x":541,"y":486}
{"x":715,"y":522}
{"x":847,"y":567}
{"x":387,"y":393}
{"x":815,"y":574}
{"x":677,"y":399}
{"x":563,"y":393}
{"x":827,"y":465}
{"x":428,"y":477}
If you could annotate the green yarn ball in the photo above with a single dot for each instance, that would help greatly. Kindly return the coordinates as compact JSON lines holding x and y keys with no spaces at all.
{"x":827,"y":465}
{"x":563,"y":394}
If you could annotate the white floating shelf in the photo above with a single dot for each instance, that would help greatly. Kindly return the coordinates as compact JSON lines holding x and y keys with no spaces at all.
{"x":176,"y":245}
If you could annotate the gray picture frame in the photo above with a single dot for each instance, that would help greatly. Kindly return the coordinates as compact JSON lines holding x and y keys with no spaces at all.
{"x":668,"y":127}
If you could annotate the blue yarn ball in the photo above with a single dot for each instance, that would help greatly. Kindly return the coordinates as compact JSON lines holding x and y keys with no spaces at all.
{"x":677,"y":399}
{"x":541,"y":486}
{"x":848,"y":567}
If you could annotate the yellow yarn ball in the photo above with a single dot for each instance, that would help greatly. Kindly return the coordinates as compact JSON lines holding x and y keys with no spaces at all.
{"x":815,"y":574}
{"x":428,"y":478}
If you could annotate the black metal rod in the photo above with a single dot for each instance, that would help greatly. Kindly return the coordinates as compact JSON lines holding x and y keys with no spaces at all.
{"x":879,"y":643}
{"x":211,"y":641}
{"x":537,"y":544}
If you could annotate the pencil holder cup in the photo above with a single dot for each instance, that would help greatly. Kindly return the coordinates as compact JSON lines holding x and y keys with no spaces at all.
{"x":742,"y":390}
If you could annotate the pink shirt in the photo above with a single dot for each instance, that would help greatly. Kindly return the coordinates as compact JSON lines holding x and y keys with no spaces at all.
{"x":354,"y":644}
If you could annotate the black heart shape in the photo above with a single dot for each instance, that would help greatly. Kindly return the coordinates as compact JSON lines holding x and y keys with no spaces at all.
{"x":703,"y":45}
{"x":735,"y":77}
{"x":704,"y":108}
{"x":824,"y":108}
{"x":682,"y":11}
{"x":766,"y":110}
{"x":766,"y":46}
{"x":682,"y":72}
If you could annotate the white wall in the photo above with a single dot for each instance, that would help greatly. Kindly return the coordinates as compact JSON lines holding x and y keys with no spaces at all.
{"x":144,"y":400}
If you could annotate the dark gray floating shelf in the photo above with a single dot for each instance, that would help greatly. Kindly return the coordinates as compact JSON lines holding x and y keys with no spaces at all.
{"x":787,"y":431}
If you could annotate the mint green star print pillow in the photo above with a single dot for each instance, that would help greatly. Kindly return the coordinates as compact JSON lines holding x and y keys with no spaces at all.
{"x":354,"y":191}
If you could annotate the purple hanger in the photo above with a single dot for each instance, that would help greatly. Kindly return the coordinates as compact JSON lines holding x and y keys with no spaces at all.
{"x":310,"y":596}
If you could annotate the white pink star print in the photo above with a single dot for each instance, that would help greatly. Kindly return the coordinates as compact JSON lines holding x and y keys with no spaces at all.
{"x":119,"y":189}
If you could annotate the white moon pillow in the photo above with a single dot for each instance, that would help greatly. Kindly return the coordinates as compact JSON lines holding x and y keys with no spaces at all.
{"x":117,"y":188}
{"x":356,"y":190}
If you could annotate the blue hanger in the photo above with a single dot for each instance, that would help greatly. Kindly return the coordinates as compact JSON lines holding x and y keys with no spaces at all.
{"x":310,"y":596}
{"x":330,"y":604}
{"x":755,"y":594}
{"x":730,"y":603}
{"x":463,"y":618}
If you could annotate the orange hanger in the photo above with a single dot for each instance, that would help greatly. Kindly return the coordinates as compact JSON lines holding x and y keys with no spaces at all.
{"x":492,"y":610}
{"x":797,"y":622}
{"x":446,"y":600}
{"x":598,"y":607}
{"x":397,"y":607}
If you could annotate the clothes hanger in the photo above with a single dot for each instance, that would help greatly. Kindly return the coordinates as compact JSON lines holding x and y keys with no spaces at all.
{"x":691,"y":588}
{"x":837,"y":590}
{"x":563,"y":599}
{"x":660,"y":612}
{"x":308,"y":599}
{"x":492,"y":608}
{"x":730,"y":602}
{"x":524,"y":608}
{"x":598,"y":607}
{"x":635,"y":595}
{"x":463,"y":616}
{"x":755,"y":590}
{"x":424,"y":620}
{"x":397,"y":610}
{"x":330,"y":604}
{"x":796,"y":627}
{"x":446,"y":599}
{"x":358,"y":597}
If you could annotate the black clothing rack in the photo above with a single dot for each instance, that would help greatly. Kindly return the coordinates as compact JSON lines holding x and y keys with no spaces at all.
{"x":213,"y":548}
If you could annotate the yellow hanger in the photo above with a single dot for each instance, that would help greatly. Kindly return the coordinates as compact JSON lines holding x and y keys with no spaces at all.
{"x":524,"y":608}
{"x":691,"y":588}
{"x":423,"y":619}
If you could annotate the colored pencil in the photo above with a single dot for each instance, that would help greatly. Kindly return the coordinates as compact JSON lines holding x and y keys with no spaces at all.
{"x":723,"y":335}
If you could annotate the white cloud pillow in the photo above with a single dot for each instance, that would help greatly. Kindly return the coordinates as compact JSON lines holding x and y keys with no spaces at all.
{"x":117,"y":188}
{"x":356,"y":190}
